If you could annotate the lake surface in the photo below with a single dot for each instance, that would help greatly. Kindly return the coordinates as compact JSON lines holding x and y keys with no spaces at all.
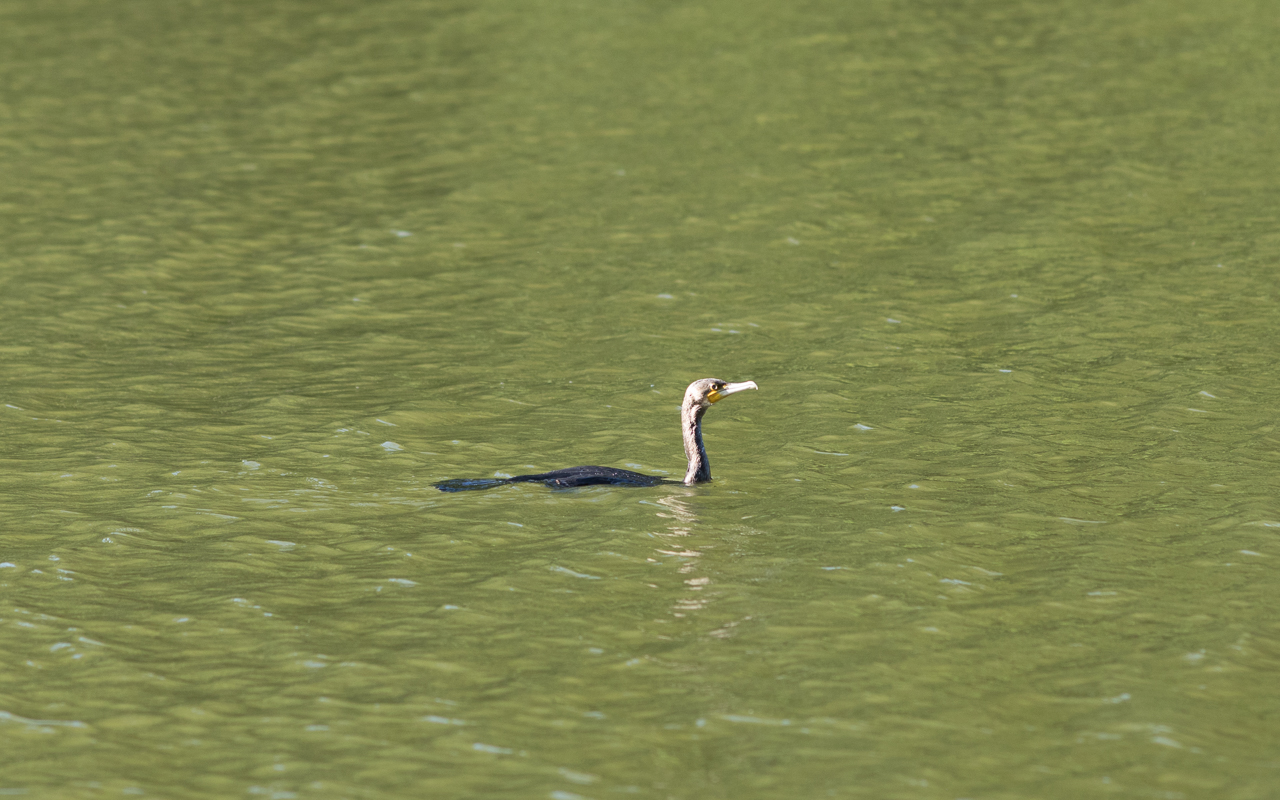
{"x":1001,"y":522}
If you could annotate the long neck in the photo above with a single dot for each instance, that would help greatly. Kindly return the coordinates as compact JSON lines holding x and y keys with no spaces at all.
{"x":691,"y":426}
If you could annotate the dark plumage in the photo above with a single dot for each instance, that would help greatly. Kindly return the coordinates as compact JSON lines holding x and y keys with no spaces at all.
{"x":697,"y":399}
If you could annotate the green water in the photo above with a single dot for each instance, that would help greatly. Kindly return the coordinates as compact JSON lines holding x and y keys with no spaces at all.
{"x":1001,"y":521}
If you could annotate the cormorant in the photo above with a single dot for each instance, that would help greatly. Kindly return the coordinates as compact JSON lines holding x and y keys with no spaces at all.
{"x":697,"y":399}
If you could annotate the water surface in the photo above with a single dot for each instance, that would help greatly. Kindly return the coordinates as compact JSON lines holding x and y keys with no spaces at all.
{"x":1001,"y":521}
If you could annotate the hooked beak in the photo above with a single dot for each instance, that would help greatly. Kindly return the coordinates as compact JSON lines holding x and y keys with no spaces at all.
{"x":730,"y":388}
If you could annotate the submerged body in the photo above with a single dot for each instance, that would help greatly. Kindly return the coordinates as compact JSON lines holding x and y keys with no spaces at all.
{"x":697,"y":399}
{"x":560,"y":479}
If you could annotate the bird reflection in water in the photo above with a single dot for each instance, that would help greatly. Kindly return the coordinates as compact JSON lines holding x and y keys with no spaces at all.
{"x":682,"y":522}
